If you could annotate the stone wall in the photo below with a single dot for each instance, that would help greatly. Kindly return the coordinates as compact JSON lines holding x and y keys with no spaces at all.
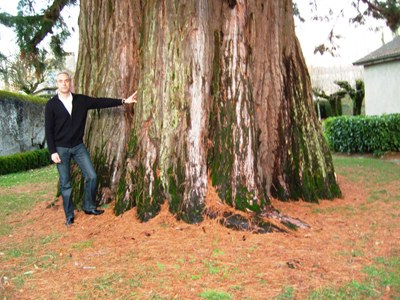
{"x":21,"y":125}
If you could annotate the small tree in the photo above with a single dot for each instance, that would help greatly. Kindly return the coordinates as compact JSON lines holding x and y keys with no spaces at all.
{"x":335,"y":100}
{"x":3,"y":70}
{"x":27,"y":74}
{"x":356,"y":95}
{"x":29,"y":68}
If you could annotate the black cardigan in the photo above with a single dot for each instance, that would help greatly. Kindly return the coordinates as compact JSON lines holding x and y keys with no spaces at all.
{"x":65,"y":130}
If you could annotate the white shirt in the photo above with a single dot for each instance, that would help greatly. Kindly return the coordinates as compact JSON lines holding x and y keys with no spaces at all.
{"x":67,"y":102}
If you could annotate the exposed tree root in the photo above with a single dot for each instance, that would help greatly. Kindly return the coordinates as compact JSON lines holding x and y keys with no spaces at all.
{"x":269,"y":220}
{"x":290,"y":222}
{"x":240,"y":222}
{"x":256,"y":223}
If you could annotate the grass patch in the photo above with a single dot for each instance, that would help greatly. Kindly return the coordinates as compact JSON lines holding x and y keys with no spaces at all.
{"x":334,"y":209}
{"x":103,"y":286}
{"x":19,"y":192}
{"x":217,"y":252}
{"x":80,"y":246}
{"x":28,"y":248}
{"x":215,"y":295}
{"x":22,"y":261}
{"x":376,"y":170}
{"x":42,"y":175}
{"x":211,"y":266}
{"x":287,"y":294}
{"x":352,"y":253}
{"x":237,"y":288}
{"x":382,"y":279}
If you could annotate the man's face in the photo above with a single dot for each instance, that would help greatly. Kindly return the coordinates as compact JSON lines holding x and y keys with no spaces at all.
{"x":63,"y":83}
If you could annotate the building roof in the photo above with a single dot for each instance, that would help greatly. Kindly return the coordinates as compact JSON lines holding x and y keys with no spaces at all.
{"x":388,"y":52}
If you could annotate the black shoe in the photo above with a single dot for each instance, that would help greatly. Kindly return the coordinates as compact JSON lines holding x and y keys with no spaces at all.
{"x":95,"y":212}
{"x":70,"y":221}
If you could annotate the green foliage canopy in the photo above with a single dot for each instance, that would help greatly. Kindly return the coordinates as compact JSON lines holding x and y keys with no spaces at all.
{"x":388,"y":10}
{"x":32,"y":27}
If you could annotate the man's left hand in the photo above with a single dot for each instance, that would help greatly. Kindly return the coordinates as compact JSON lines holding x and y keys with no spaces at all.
{"x":131,"y":99}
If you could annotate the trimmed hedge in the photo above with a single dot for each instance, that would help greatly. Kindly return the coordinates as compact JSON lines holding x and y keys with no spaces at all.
{"x":23,"y":97}
{"x":363,"y":134}
{"x":24,"y":161}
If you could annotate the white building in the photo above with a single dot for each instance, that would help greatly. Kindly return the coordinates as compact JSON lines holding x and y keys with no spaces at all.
{"x":382,"y":79}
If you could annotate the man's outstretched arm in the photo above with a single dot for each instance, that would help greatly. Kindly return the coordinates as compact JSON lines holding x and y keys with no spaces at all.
{"x":95,"y":103}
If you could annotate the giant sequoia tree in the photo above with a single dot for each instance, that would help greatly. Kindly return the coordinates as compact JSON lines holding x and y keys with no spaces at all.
{"x":224,"y":99}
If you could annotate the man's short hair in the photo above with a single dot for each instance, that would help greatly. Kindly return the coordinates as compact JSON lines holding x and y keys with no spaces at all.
{"x":65,"y":74}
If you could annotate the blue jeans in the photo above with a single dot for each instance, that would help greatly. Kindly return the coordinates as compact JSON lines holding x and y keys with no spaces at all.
{"x":81,"y":156}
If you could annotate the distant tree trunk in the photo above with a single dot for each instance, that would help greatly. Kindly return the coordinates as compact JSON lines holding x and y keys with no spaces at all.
{"x":336,"y":106}
{"x":358,"y":97}
{"x":357,"y":109}
{"x":223,"y":92}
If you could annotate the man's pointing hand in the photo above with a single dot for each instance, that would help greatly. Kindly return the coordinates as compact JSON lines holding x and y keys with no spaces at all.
{"x":131,"y":99}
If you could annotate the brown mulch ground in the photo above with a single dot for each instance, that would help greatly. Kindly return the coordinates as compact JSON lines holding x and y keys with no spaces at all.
{"x":120,"y":258}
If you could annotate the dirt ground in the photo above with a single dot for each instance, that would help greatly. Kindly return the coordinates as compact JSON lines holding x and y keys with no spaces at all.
{"x":120,"y":258}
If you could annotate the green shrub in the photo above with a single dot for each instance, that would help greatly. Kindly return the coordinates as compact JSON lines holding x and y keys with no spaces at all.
{"x":24,"y":161}
{"x":363,"y":134}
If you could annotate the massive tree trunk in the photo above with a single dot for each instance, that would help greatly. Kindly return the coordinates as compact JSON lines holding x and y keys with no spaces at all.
{"x":223,"y":92}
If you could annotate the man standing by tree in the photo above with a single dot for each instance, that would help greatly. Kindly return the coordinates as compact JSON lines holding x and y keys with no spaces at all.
{"x":65,"y":120}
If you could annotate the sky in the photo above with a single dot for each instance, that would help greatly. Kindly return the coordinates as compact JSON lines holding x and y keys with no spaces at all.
{"x":355,"y":44}
{"x":356,"y":41}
